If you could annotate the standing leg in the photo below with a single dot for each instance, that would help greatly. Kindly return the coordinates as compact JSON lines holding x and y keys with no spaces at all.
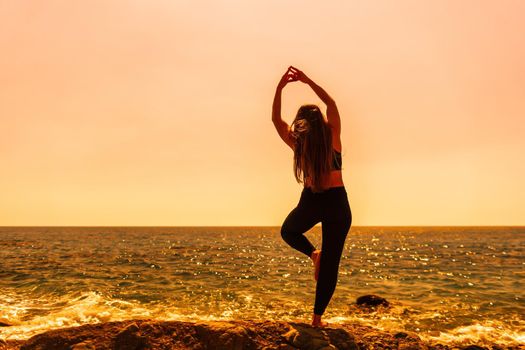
{"x":334,"y":235}
{"x":301,"y":219}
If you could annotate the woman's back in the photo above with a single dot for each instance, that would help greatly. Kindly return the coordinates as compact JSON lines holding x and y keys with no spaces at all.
{"x":335,"y":177}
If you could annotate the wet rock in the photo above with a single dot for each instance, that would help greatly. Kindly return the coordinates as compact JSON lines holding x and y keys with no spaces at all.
{"x":401,"y":335}
{"x":371,"y":300}
{"x":375,"y":339}
{"x":405,"y":335}
{"x":409,"y":341}
{"x":10,"y":344}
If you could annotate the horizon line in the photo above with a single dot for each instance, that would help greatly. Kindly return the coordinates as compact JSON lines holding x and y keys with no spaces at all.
{"x":7,"y":226}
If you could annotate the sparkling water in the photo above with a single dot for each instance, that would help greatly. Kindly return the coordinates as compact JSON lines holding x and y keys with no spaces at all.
{"x":448,"y":284}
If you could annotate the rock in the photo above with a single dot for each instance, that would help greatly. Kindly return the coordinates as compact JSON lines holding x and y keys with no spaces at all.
{"x":130,"y":339}
{"x":371,"y":301}
{"x":409,"y":341}
{"x":407,"y":335}
{"x":4,"y":324}
{"x":304,"y":337}
{"x":223,"y":336}
{"x":401,"y":335}
{"x":279,"y":347}
{"x":412,"y":346}
{"x":474,"y":347}
{"x":341,"y":339}
{"x":84,"y":346}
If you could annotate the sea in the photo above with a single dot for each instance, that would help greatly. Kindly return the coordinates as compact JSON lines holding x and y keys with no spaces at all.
{"x":452,"y":285}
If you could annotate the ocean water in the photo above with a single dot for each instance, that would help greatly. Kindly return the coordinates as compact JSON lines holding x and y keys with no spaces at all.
{"x":454,"y":285}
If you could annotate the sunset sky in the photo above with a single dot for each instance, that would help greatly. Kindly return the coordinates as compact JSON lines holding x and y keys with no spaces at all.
{"x":158,"y":113}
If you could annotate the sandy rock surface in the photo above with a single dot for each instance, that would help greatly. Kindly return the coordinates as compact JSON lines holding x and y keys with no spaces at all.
{"x":223,"y":335}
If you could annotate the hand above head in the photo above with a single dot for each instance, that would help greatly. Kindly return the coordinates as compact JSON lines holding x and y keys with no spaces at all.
{"x":299,"y":74}
{"x":288,"y":77}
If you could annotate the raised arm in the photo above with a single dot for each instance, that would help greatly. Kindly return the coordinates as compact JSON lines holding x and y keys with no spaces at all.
{"x":283,"y":129}
{"x":332,"y":113}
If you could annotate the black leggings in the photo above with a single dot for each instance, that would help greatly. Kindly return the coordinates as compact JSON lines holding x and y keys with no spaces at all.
{"x":332,"y":209}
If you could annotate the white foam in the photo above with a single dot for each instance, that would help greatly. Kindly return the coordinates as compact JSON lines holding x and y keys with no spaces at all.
{"x":92,"y":307}
{"x":489,"y":332}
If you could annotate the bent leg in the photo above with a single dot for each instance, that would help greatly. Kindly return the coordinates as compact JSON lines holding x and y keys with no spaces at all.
{"x":334,"y":235}
{"x":300,"y":220}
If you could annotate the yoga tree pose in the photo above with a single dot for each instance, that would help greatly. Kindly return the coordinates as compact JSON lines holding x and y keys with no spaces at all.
{"x":316,"y":143}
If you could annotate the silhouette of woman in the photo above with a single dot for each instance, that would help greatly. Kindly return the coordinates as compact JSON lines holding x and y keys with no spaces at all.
{"x":316,"y":143}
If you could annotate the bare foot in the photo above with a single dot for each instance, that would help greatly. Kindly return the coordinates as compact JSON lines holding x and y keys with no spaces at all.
{"x":316,"y":258}
{"x":320,"y":324}
{"x":316,"y":321}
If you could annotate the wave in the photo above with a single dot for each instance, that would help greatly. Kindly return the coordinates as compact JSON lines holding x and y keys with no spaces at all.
{"x":31,"y":316}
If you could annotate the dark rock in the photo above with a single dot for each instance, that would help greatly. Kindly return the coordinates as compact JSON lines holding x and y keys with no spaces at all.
{"x":281,"y":347}
{"x":306,"y":337}
{"x":3,"y":324}
{"x":401,"y":335}
{"x":409,"y":341}
{"x":87,"y":345}
{"x":223,"y":336}
{"x":371,"y":300}
{"x":412,"y":346}
{"x":130,"y":339}
{"x":10,"y":344}
{"x":341,"y":339}
{"x":406,"y":335}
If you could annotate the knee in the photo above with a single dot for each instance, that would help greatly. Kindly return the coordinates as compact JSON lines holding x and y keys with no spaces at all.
{"x":285,"y":233}
{"x":288,"y":232}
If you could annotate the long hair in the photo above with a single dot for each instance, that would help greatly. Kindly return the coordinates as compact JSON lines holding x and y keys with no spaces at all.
{"x":313,"y":147}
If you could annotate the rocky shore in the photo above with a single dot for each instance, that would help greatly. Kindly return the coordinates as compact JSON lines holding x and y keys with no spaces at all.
{"x":232,"y":335}
{"x":223,"y":335}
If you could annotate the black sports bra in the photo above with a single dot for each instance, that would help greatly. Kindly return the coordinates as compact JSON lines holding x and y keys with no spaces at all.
{"x":337,"y":161}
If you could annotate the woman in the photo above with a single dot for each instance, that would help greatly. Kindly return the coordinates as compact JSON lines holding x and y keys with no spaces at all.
{"x":316,"y":143}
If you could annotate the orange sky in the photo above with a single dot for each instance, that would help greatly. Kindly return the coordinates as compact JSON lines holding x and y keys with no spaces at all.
{"x":159,"y":112}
